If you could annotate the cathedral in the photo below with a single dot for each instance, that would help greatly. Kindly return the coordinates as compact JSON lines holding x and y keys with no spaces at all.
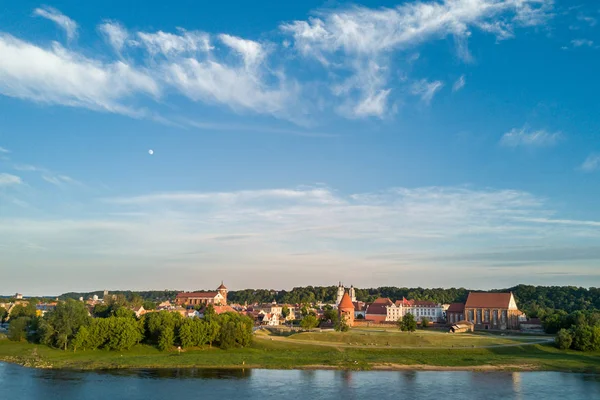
{"x":340,"y":293}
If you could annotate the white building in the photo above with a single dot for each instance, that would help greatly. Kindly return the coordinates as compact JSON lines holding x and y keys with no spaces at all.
{"x":419,"y":309}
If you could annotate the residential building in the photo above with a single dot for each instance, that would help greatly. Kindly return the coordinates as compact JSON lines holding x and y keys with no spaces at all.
{"x":360,"y":309}
{"x":418,"y":308}
{"x":377,"y":311}
{"x":492,"y":310}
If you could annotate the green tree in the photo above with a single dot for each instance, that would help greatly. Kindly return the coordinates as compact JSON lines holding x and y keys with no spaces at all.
{"x":583,"y":338}
{"x":309,"y":322}
{"x":3,"y":314}
{"x":341,"y":325}
{"x":564,"y":339}
{"x":425,"y":322}
{"x":125,"y":332}
{"x":17,"y":329}
{"x":408,"y":323}
{"x":209,"y":313}
{"x":285,"y":311}
{"x":331,"y":315}
{"x":23,"y":310}
{"x":61,"y":324}
{"x":149,"y":305}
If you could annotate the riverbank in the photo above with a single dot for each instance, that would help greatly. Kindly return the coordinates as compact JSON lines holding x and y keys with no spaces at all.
{"x":279,"y":354}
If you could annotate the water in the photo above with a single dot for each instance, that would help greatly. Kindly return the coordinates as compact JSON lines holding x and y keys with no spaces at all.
{"x":23,"y":383}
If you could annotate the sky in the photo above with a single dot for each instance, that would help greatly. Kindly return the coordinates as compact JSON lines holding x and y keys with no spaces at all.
{"x":153,"y":145}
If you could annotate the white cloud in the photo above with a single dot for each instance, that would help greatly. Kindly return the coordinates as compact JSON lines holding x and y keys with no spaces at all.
{"x":8,"y":179}
{"x":59,"y":76}
{"x":58,"y":18}
{"x":591,"y":163}
{"x":425,"y":89}
{"x":591,"y":21}
{"x":170,"y":44}
{"x":252,"y":52}
{"x":47,"y":175}
{"x":4,"y":150}
{"x":115,"y":33}
{"x":582,"y":42}
{"x":459,"y":84}
{"x":338,"y":38}
{"x":525,"y":137}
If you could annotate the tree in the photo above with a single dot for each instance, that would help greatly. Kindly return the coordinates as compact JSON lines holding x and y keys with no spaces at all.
{"x":309,"y":322}
{"x":17,"y":330}
{"x":331,"y":315}
{"x":583,"y":338}
{"x":209,"y":313}
{"x":20,"y":310}
{"x":408,"y":323}
{"x":285,"y":311}
{"x":3,"y":314}
{"x":564,"y":339}
{"x":341,"y":325}
{"x":149,"y":305}
{"x":61,"y":324}
{"x":424,"y":322}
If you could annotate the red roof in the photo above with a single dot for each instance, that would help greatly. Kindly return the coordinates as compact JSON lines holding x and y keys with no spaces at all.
{"x":222,"y":286}
{"x":379,"y":306}
{"x":488,"y":300}
{"x":456,"y":308}
{"x":346,"y":302}
{"x":200,"y":295}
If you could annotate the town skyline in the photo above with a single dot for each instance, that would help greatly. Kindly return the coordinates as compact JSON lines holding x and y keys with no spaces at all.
{"x":427,"y":143}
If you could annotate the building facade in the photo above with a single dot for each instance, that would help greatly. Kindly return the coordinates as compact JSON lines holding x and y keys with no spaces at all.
{"x":418,"y":308}
{"x":341,"y":290}
{"x":198,"y":298}
{"x":455,"y":313}
{"x":492,"y":311}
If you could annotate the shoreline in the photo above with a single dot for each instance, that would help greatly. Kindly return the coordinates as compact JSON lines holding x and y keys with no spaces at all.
{"x":389,"y":367}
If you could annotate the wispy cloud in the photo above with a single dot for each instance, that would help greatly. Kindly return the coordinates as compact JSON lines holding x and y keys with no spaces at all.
{"x":4,"y":150}
{"x":115,"y":33}
{"x":426,"y":90}
{"x":8,"y":179}
{"x":459,"y":84}
{"x":591,"y":163}
{"x":58,"y":18}
{"x":59,"y":76}
{"x":47,"y":175}
{"x":525,"y":137}
{"x":582,"y":42}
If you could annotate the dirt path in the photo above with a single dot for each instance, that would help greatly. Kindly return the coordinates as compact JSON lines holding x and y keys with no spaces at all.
{"x":345,"y":345}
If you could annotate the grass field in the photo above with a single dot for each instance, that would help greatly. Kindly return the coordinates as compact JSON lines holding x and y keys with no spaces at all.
{"x":328,"y":350}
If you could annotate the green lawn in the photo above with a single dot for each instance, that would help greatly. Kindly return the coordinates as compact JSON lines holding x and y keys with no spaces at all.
{"x":286,"y":353}
{"x":420,"y":338}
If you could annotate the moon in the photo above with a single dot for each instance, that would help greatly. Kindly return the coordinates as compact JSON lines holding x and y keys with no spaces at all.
{"x":150,"y":151}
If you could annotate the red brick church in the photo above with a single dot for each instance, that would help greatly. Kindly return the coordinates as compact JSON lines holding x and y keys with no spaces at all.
{"x":197,"y":298}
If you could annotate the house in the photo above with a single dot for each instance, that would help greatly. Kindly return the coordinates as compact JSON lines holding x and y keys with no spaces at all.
{"x":267,"y":318}
{"x":139,"y":311}
{"x":492,"y":310}
{"x":191,"y":313}
{"x":418,"y":308}
{"x":360,"y":309}
{"x":197,"y":298}
{"x":455,"y":313}
{"x":18,"y":296}
{"x":42,"y":308}
{"x":532,"y":325}
{"x":462,"y":326}
{"x":377,"y":310}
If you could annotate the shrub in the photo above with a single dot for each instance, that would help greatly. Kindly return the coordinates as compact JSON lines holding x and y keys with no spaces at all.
{"x":564,"y":339}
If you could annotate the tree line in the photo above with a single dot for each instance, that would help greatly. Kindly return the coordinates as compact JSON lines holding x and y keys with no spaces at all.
{"x":70,"y":327}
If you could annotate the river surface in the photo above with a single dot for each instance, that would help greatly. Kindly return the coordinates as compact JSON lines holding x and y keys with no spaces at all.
{"x":23,"y":383}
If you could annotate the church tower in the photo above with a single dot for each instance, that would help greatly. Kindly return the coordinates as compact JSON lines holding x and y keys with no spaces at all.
{"x":223,"y":292}
{"x":352,"y":293}
{"x":340,"y":293}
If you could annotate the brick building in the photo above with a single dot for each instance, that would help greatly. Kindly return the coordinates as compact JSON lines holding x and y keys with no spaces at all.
{"x":492,"y":311}
{"x":198,"y":298}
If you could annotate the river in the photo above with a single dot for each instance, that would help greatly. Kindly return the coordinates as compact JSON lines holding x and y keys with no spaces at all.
{"x":23,"y":383}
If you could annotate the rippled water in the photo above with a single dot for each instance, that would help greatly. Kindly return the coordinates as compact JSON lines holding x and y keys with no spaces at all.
{"x":23,"y":383}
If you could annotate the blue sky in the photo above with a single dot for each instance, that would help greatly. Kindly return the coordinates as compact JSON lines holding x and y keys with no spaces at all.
{"x":434,"y":143}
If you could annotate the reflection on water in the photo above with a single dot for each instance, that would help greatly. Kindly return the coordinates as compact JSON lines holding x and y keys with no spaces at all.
{"x":23,"y":383}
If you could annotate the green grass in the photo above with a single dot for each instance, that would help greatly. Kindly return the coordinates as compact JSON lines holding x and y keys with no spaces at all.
{"x":421,"y":338}
{"x":287,"y":353}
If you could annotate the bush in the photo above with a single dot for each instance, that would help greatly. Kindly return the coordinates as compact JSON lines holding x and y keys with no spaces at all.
{"x":425,"y":322}
{"x":309,"y":322}
{"x":564,"y":339}
{"x":583,"y":338}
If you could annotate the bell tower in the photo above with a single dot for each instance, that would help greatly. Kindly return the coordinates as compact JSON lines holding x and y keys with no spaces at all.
{"x":223,"y":292}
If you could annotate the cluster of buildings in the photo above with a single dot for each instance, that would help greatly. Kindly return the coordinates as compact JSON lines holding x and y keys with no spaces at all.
{"x":482,"y":310}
